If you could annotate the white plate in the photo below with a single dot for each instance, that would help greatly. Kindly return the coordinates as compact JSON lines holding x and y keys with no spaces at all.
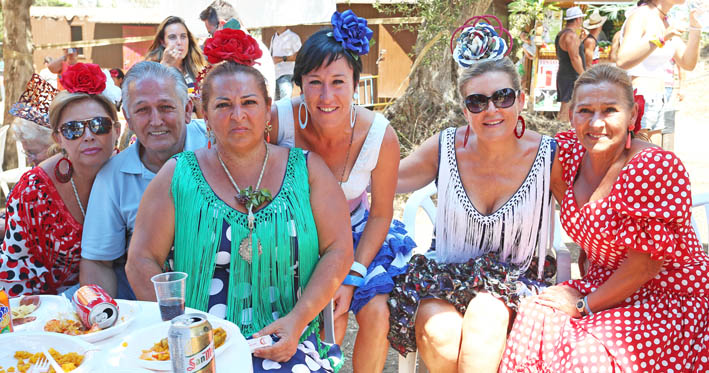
{"x":34,"y":342}
{"x":56,"y":307}
{"x":49,"y":306}
{"x":144,"y":339}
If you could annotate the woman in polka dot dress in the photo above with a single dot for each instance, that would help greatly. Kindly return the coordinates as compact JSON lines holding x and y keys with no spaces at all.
{"x":643,"y":306}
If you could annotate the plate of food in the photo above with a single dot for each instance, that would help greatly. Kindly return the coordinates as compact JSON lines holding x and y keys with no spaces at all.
{"x":149,"y":346}
{"x":67,"y":322}
{"x":29,"y":312}
{"x":22,"y":349}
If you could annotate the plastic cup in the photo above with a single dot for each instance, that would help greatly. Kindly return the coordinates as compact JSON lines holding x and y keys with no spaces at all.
{"x":702,"y":9}
{"x":170,"y":293}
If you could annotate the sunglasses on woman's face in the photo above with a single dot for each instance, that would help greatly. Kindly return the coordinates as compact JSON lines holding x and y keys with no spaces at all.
{"x":502,"y":98}
{"x":74,"y":129}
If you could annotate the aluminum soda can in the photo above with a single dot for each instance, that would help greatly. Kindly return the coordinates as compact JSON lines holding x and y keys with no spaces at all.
{"x":5,"y":313}
{"x":95,"y":306}
{"x":191,"y":342}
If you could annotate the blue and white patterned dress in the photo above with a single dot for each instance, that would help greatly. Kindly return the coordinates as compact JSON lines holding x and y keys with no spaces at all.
{"x":396,"y":249}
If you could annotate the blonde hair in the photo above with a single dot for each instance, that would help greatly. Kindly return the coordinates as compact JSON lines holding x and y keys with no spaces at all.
{"x":503,"y":65}
{"x":65,"y":98}
{"x":606,"y":73}
{"x":193,"y":63}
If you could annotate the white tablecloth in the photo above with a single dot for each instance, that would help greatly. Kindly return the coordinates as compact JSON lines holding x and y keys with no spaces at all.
{"x":237,"y":357}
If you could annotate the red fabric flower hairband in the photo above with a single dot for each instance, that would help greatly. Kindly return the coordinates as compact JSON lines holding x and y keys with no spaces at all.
{"x":228,"y":44}
{"x":640,"y":100}
{"x":84,"y":78}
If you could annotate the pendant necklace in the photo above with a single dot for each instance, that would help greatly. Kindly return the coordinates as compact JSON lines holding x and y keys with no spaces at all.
{"x":76,"y":195}
{"x":249,"y":198}
{"x":347,"y":157}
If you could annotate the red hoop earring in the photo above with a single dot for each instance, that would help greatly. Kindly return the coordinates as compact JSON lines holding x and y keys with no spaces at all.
{"x":467,"y":134}
{"x":524,"y":127}
{"x":63,"y":177}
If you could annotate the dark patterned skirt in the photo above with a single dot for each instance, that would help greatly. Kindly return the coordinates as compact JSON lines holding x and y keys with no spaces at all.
{"x":458,"y":284}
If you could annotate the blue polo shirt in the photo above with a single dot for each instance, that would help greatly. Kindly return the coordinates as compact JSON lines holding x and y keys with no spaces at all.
{"x":113,"y":205}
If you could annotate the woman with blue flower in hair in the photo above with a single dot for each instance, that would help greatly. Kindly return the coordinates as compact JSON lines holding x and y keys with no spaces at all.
{"x":455,"y":304}
{"x":361,"y":150}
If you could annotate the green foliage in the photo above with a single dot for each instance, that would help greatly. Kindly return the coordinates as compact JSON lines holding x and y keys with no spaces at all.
{"x":614,"y":12}
{"x":524,"y":13}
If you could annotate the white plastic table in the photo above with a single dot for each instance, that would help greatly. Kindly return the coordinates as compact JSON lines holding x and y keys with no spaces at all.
{"x":237,"y":357}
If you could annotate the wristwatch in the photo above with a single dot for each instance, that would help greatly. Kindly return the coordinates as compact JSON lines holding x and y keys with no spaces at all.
{"x":582,"y":306}
{"x":285,"y":58}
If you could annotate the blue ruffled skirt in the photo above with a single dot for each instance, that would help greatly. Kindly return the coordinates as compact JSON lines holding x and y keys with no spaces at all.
{"x":391,"y":260}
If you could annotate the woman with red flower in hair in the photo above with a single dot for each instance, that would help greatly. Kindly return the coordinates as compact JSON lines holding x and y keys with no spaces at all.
{"x":257,"y":227}
{"x":45,"y":211}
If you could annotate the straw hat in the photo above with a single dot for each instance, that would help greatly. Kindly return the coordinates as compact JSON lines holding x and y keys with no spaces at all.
{"x":594,"y":20}
{"x":573,"y":12}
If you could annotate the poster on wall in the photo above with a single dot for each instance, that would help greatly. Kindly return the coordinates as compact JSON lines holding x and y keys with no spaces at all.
{"x":545,"y":87}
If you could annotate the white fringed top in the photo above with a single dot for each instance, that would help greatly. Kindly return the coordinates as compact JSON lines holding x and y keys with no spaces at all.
{"x":517,"y":231}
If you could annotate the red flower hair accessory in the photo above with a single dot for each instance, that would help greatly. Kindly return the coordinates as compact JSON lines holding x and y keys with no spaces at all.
{"x":232,"y":45}
{"x":640,"y":100}
{"x":84,"y":78}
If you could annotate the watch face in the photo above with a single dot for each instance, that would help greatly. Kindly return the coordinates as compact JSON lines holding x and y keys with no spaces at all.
{"x":580,"y":305}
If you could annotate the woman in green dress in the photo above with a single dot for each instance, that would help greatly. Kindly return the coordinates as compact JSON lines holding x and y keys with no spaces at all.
{"x":256,"y":226}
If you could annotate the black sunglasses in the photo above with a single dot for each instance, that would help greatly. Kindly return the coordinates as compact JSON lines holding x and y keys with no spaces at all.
{"x":74,"y":129}
{"x":502,"y":98}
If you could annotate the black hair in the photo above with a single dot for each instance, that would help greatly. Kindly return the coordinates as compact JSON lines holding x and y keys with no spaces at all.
{"x":321,"y":48}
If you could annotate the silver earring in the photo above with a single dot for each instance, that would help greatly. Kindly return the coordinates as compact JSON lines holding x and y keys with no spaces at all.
{"x":302,"y":106}
{"x":353,"y":115}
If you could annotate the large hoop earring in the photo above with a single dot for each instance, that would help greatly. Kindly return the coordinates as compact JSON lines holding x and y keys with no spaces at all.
{"x":353,"y":115}
{"x":300,"y":107}
{"x":61,"y":176}
{"x":524,"y":127}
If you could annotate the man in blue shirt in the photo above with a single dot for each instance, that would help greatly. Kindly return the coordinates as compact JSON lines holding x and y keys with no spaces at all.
{"x":158,"y":111}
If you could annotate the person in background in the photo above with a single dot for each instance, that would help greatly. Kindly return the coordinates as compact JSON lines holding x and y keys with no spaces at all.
{"x":593,"y":25}
{"x":571,"y":60}
{"x":60,"y":65}
{"x":648,"y":43}
{"x":643,"y":304}
{"x":36,"y":140}
{"x":117,"y":76}
{"x":284,"y":47}
{"x":263,"y":219}
{"x":46,"y":209}
{"x":157,"y":110}
{"x":175,"y":46}
{"x":615,"y":45}
{"x":47,"y":75}
{"x":221,"y":12}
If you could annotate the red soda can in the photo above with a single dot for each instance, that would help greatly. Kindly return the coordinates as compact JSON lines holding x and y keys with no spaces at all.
{"x":95,"y":306}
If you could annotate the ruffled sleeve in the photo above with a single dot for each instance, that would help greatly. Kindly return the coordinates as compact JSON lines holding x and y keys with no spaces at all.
{"x":20,"y":271}
{"x":653,"y":199}
{"x":570,"y":152}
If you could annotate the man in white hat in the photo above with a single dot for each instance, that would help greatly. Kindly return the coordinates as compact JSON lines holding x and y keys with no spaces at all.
{"x":570,"y":56}
{"x":593,"y":25}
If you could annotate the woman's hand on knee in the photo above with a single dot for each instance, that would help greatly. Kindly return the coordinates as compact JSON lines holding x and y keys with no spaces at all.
{"x":561,"y":297}
{"x":287,"y":345}
{"x":342,"y":300}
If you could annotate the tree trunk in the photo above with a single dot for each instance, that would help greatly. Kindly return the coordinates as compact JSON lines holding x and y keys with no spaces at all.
{"x":432,"y":102}
{"x":17,"y":53}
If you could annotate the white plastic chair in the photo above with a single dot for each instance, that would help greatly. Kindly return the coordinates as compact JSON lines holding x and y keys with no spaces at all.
{"x":11,"y":176}
{"x":701,"y":200}
{"x":422,"y":199}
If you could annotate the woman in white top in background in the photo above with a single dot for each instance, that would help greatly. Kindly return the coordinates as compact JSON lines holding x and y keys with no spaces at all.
{"x":647,"y":44}
{"x":361,"y":149}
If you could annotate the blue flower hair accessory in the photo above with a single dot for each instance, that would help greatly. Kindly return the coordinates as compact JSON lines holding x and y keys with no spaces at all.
{"x":352,"y":32}
{"x":480,"y":41}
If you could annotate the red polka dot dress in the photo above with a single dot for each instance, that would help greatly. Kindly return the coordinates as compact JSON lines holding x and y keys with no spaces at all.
{"x":662,"y":327}
{"x":41,"y":251}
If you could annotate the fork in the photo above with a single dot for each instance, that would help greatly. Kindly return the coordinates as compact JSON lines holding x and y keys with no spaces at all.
{"x":41,"y":366}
